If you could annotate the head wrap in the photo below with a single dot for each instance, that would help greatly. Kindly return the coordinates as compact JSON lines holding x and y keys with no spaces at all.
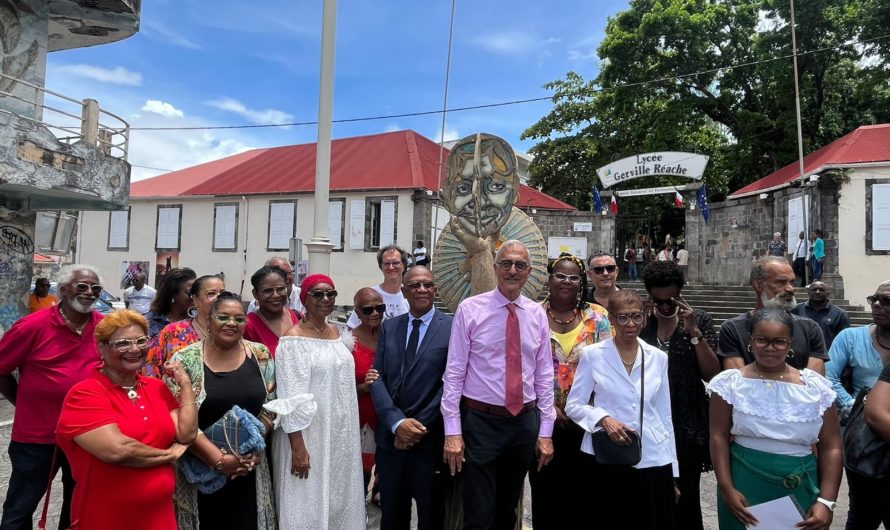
{"x":310,"y":282}
{"x":565,"y":256}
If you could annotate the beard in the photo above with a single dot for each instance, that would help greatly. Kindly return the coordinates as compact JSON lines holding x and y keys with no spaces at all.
{"x":778,"y":302}
{"x":76,"y":305}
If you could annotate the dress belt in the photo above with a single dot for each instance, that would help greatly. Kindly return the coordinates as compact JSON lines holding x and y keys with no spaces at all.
{"x":495,"y":410}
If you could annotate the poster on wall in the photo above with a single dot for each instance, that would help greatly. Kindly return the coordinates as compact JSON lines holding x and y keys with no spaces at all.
{"x":880,"y":220}
{"x":577,"y":246}
{"x":796,"y":223}
{"x":164,"y":262}
{"x":129,"y":270}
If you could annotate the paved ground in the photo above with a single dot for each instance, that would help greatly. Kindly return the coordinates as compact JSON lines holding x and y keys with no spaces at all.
{"x":708,"y":497}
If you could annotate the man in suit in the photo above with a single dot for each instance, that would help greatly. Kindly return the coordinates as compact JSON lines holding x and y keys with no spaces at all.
{"x":410,"y":361}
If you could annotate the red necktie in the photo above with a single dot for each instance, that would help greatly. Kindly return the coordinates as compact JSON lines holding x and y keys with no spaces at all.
{"x":513,"y":364}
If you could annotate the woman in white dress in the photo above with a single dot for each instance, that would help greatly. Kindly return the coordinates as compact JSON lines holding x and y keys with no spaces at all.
{"x":765,"y":419}
{"x":318,"y":478}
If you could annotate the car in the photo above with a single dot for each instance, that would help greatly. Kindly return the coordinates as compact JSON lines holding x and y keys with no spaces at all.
{"x":106,"y":303}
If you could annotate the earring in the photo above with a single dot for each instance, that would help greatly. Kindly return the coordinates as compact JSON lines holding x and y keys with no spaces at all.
{"x":192,"y":312}
{"x":749,"y":349}
{"x":790,"y":354}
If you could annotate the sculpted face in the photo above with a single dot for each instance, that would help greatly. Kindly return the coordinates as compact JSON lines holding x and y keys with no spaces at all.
{"x":482,"y":185}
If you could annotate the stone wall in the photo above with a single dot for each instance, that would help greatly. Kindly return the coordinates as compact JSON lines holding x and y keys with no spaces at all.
{"x":561,"y":224}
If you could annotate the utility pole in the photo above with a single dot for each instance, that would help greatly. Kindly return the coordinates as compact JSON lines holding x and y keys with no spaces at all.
{"x":803,"y":184}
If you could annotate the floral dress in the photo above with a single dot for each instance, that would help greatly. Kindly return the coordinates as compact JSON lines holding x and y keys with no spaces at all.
{"x":170,"y":340}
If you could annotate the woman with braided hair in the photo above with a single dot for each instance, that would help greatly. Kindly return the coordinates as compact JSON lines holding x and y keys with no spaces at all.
{"x":574,"y":324}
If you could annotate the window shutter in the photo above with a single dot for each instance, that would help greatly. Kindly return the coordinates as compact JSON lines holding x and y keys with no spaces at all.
{"x":357,"y":224}
{"x":387,"y":223}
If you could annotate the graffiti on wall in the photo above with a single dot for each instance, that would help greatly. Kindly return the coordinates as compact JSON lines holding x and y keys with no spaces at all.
{"x":16,"y":251}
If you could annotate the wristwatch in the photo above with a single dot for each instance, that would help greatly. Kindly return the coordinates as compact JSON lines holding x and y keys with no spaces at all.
{"x":695,"y":340}
{"x":831,"y":505}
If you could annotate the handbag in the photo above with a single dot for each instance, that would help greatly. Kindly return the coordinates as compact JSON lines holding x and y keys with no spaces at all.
{"x":865,"y":453}
{"x":608,"y":452}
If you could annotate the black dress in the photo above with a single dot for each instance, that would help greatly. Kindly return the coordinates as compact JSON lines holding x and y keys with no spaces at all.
{"x":234,"y":505}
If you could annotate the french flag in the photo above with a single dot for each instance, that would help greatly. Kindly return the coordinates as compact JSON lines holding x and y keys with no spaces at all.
{"x":678,"y":199}
{"x":614,"y":205}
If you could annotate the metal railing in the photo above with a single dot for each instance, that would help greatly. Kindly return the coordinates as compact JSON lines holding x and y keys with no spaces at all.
{"x":70,"y":120}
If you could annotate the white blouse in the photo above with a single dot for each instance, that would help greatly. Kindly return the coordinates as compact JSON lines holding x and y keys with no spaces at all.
{"x":775,"y":416}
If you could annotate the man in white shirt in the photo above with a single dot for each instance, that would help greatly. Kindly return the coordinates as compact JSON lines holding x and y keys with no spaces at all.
{"x":293,"y":292}
{"x":139,"y":296}
{"x":421,"y":256}
{"x":393,"y":261}
{"x":800,"y":255}
{"x":683,"y":261}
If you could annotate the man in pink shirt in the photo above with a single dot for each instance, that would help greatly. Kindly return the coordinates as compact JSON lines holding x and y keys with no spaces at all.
{"x":497,"y":396}
{"x":52,"y":349}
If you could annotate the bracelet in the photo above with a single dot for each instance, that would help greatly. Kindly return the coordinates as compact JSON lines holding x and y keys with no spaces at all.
{"x":189,"y":403}
{"x":219,"y":463}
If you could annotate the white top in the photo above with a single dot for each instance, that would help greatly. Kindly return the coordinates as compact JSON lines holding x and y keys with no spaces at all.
{"x":617,"y":394}
{"x":293,"y":302}
{"x":682,"y":257}
{"x":775,"y":416}
{"x":419,"y":254}
{"x":396,"y":305}
{"x":139,"y":300}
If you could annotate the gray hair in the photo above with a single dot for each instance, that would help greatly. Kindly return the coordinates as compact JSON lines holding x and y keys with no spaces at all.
{"x":885,"y":283}
{"x":510,"y":243}
{"x":777,"y":234}
{"x":68,"y":272}
{"x":758,"y":268}
{"x":275,"y":260}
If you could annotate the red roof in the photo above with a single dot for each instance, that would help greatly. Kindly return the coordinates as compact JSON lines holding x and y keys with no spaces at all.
{"x":867,"y":144}
{"x":388,"y":161}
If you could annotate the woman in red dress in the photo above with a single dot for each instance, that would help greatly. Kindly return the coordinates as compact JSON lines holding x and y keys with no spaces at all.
{"x":122,"y":432}
{"x":370,"y":308}
{"x":273,"y":317}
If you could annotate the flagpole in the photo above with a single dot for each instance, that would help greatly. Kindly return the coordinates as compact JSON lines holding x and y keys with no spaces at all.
{"x":803,"y":184}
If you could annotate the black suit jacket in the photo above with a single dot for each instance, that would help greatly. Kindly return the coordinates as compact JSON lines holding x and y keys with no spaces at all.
{"x":410,"y":391}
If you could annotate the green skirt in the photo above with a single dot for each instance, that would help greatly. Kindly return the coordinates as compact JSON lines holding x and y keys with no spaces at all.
{"x":763,"y":477}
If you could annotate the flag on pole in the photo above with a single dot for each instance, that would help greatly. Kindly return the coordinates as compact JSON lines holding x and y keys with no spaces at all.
{"x":678,"y":199}
{"x":597,"y":201}
{"x":702,"y":200}
{"x":614,"y":205}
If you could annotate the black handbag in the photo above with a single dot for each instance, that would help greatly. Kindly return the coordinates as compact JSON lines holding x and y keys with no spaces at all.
{"x":865,"y":453}
{"x":608,"y":452}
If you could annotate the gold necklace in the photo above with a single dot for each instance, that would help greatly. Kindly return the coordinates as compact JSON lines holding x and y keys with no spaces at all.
{"x":321,"y":331}
{"x":203,"y":333}
{"x":769,"y":380}
{"x":278,"y":331}
{"x":75,"y":329}
{"x":632,"y":361}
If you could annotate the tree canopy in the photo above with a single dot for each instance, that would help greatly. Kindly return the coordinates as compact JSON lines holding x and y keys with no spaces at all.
{"x":715,"y":77}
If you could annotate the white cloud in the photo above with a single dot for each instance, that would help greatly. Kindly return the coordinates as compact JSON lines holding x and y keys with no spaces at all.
{"x":260,"y":117}
{"x":117,"y":76}
{"x":393,"y":127}
{"x":160,"y":32}
{"x":581,"y":56}
{"x":163,"y":108}
{"x":451,"y":134}
{"x":514,"y":42}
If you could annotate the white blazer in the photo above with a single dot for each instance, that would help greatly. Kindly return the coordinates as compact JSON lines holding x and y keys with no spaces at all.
{"x":617,"y":394}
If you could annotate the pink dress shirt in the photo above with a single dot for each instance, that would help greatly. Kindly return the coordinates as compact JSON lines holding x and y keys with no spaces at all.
{"x":476,"y":358}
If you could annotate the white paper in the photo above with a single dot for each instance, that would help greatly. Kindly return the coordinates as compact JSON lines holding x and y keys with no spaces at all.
{"x":780,"y":514}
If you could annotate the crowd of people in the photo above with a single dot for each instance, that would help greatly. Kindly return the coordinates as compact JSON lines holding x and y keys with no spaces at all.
{"x":194,"y":409}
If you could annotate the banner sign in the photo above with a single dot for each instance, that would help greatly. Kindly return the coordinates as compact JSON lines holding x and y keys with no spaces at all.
{"x":651,"y":191}
{"x":671,"y":163}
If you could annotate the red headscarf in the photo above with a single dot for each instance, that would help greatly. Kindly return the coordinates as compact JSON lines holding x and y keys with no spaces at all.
{"x":311,"y":281}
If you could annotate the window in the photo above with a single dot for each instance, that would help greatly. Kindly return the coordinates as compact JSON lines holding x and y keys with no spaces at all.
{"x":169,"y":217}
{"x":877,"y":217}
{"x":379,"y":222}
{"x":119,"y":230}
{"x":336,"y":210}
{"x":225,"y":227}
{"x":282,"y":215}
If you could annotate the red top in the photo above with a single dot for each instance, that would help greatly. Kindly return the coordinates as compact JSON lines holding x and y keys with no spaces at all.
{"x":107,"y":495}
{"x":257,"y":330}
{"x":51,"y":358}
{"x":367,"y":414}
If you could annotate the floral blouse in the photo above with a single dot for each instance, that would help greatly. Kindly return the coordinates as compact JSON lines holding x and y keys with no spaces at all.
{"x":170,"y":340}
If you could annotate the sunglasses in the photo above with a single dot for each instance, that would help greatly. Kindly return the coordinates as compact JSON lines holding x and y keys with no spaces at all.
{"x":270,"y":291}
{"x":885,"y":300}
{"x":573,"y":278}
{"x":636,"y":318}
{"x":318,"y":295}
{"x":225,"y":319}
{"x":82,"y":287}
{"x":124,"y":345}
{"x":600,"y":270}
{"x":507,"y":264}
{"x":418,"y":285}
{"x":779,"y":343}
{"x":662,"y":301}
{"x":368,"y":309}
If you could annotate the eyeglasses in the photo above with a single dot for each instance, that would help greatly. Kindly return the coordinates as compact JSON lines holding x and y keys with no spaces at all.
{"x":507,"y":264}
{"x":318,"y":295}
{"x":417,"y":285}
{"x":600,"y":270}
{"x":884,"y":299}
{"x":82,"y":287}
{"x":124,"y":345}
{"x":368,"y":309}
{"x":636,"y":318}
{"x":225,"y":319}
{"x":574,"y":278}
{"x":269,"y":291}
{"x":779,"y":343}
{"x":391,"y":264}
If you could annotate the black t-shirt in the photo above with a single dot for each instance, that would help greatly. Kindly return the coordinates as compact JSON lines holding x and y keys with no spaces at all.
{"x":735,"y":336}
{"x":885,"y":374}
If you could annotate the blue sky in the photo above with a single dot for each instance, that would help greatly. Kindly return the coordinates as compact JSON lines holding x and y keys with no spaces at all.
{"x":199,"y":63}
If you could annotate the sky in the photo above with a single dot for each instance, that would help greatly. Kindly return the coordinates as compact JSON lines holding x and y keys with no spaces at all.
{"x":197,"y":63}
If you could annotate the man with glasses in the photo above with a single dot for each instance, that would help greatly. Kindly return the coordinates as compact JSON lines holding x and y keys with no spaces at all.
{"x":497,"y":397}
{"x":410,"y":362}
{"x":772,"y":279}
{"x":393,"y":261}
{"x":293,"y":292}
{"x":52,"y":350}
{"x":602,"y":271}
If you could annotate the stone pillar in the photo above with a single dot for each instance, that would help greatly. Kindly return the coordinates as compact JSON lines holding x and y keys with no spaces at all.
{"x":16,"y":264}
{"x":24,"y":31}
